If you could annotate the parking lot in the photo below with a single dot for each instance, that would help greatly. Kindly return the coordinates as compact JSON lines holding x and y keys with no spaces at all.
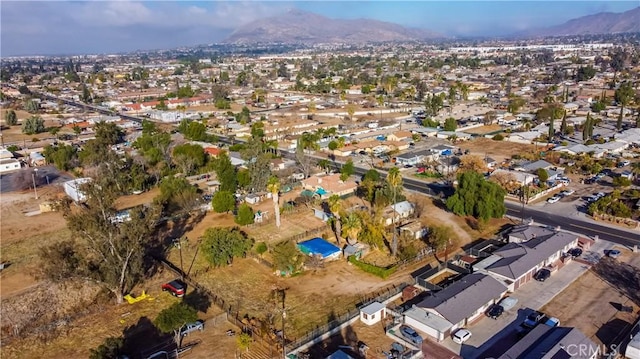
{"x":491,"y":337}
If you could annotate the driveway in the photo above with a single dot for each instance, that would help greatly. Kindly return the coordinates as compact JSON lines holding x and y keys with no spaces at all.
{"x":492,"y":337}
{"x":44,"y":175}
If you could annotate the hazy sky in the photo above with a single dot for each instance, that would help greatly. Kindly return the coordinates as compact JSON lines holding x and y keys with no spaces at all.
{"x":58,"y":27}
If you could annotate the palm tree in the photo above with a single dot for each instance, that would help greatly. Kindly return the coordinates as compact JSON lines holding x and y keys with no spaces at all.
{"x":274,"y":187}
{"x":394,"y":179}
{"x":352,"y":227}
{"x":335,"y":206}
{"x":324,"y":164}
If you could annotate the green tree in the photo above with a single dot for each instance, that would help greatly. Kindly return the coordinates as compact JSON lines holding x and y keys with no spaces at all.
{"x":176,"y":193}
{"x":477,"y":197}
{"x":32,"y":106}
{"x":111,"y":348}
{"x":220,"y":246}
{"x":287,"y":257}
{"x":440,"y":236}
{"x":104,"y":251}
{"x":10,"y":118}
{"x":193,"y":130}
{"x":245,"y":215}
{"x":189,"y":157}
{"x":623,"y":95}
{"x":33,"y":125}
{"x":394,"y":181}
{"x":621,"y":182}
{"x":347,"y":170}
{"x":585,"y":73}
{"x":86,"y":95}
{"x":333,"y":145}
{"x":62,"y":156}
{"x":107,"y":133}
{"x":223,"y":201}
{"x":244,"y":341}
{"x":598,"y":106}
{"x":244,"y":179}
{"x":563,"y":125}
{"x":515,"y":104}
{"x":450,"y":124}
{"x":552,"y":131}
{"x":543,"y":175}
{"x":226,"y":173}
{"x":351,"y":227}
{"x":173,"y":318}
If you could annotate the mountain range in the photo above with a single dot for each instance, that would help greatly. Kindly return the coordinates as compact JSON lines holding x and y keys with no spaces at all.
{"x":296,"y":26}
{"x":600,"y":23}
{"x":301,"y":27}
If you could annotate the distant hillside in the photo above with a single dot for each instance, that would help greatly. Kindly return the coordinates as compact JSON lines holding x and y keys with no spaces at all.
{"x":600,"y":23}
{"x":297,"y":26}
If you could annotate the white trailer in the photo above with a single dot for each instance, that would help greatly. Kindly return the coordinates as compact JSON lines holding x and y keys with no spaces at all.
{"x":72,"y":189}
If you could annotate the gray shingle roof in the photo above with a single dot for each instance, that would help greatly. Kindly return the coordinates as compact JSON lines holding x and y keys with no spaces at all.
{"x":461,"y":299}
{"x":545,"y":342}
{"x":519,"y":258}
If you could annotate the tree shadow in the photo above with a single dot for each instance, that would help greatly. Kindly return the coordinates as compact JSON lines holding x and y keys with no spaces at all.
{"x":144,"y":337}
{"x":198,"y":300}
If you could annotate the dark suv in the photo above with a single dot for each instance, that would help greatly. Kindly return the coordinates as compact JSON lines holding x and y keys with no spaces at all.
{"x":495,"y":311}
{"x":176,"y":287}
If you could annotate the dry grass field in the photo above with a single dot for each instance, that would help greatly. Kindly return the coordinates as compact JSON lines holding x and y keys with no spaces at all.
{"x":499,"y":150}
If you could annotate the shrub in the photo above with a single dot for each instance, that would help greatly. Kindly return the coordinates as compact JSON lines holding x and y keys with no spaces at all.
{"x":498,"y":137}
{"x":260,"y":248}
{"x":370,"y":268}
{"x":245,"y":215}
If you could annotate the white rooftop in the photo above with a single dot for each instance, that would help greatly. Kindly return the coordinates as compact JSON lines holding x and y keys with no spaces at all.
{"x":429,"y":319}
{"x":372,"y":308}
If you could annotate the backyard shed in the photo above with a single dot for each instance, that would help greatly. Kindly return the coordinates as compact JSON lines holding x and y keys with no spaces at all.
{"x":373,"y":313}
{"x":319,"y":246}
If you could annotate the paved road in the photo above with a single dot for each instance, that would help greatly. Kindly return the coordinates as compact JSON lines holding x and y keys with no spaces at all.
{"x":585,"y":226}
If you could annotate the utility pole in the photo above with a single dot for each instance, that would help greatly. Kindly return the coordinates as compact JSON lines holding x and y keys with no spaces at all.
{"x":33,"y":177}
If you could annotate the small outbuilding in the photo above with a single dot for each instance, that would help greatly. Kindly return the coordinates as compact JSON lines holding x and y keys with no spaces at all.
{"x":319,"y":246}
{"x":373,"y":313}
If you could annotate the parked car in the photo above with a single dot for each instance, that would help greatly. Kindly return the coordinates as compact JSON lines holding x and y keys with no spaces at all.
{"x":495,"y":311}
{"x":411,"y":335}
{"x":176,"y":287}
{"x":553,"y":199}
{"x":613,"y":253}
{"x":192,"y":327}
{"x":567,"y":192}
{"x":461,"y":336}
{"x":552,"y":322}
{"x":542,"y":275}
{"x":575,"y":252}
{"x":600,"y":195}
{"x":508,"y":303}
{"x":533,"y":319}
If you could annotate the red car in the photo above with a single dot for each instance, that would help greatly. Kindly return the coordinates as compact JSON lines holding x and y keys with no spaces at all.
{"x":176,"y":287}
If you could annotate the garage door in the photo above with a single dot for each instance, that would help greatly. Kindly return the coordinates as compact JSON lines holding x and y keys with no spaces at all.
{"x":433,"y":333}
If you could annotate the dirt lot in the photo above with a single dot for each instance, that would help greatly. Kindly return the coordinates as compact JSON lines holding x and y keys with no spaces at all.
{"x":498,"y":150}
{"x":484,"y":129}
{"x":593,"y":303}
{"x":373,"y":336}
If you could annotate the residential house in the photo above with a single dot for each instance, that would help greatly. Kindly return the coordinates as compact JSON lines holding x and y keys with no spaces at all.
{"x":400,"y":136}
{"x":522,"y":178}
{"x":547,"y":342}
{"x":213,"y":151}
{"x":396,"y":145}
{"x":491,"y":163}
{"x":455,"y":306}
{"x":417,"y":157}
{"x":516,"y":263}
{"x":415,"y":230}
{"x":327,"y":185}
{"x":397,"y":212}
